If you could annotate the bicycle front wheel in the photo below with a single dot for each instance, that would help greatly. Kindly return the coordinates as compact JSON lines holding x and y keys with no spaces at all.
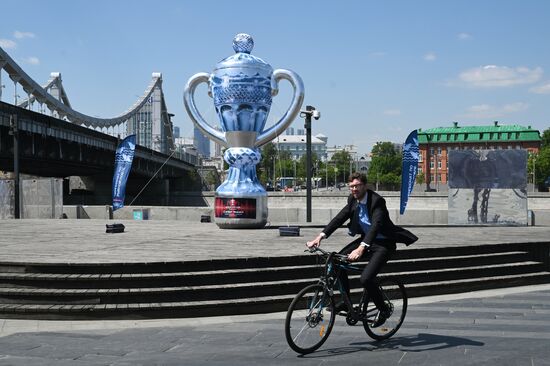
{"x":395,"y":298}
{"x":309,"y":320}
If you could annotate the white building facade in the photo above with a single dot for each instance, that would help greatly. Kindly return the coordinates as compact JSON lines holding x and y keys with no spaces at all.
{"x":296,"y":145}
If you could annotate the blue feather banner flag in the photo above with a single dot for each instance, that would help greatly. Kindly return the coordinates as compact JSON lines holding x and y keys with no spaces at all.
{"x":123,"y":163}
{"x":410,"y":168}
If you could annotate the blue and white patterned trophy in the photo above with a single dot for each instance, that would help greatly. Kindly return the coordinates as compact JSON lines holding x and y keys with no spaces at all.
{"x":242,"y":86}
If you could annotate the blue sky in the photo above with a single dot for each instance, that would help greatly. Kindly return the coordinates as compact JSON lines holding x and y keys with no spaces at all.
{"x":375,"y":69}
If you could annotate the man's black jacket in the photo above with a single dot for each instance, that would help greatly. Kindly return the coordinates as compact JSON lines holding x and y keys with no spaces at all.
{"x":379,"y":218}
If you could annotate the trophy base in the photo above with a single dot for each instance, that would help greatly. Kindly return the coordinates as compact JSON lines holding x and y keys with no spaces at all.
{"x":242,"y":212}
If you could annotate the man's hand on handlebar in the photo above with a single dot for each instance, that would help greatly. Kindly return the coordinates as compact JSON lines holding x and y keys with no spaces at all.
{"x":315,"y":242}
{"x":356,"y":254}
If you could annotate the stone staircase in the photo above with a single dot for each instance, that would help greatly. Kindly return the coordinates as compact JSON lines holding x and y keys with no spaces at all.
{"x":245,"y":285}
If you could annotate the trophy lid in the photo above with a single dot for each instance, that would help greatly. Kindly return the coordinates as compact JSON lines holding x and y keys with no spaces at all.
{"x":243,"y":45}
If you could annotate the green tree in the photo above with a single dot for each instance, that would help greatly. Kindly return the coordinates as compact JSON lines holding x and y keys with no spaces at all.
{"x":211,"y":179}
{"x":341,"y":160}
{"x":421,"y":178}
{"x":265,"y":168}
{"x":545,"y":138}
{"x":540,"y":163}
{"x":301,"y":167}
{"x":543,"y":165}
{"x":385,"y":167}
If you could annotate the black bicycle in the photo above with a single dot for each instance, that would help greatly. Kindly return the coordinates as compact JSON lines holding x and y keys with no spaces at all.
{"x":310,"y":316}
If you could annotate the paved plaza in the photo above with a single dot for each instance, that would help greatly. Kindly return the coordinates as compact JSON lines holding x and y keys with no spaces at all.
{"x":85,"y":241}
{"x":497,"y":327}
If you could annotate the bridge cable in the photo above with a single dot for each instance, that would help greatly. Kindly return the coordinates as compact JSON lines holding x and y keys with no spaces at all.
{"x":154,"y":175}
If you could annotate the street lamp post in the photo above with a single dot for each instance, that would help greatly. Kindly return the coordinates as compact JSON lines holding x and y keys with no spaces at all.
{"x":428,"y":163}
{"x":294,"y":172}
{"x":534,"y":173}
{"x":436,"y":155}
{"x":307,"y":114}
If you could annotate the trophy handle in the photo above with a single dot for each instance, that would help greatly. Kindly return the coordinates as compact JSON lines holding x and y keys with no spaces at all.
{"x":292,"y":112}
{"x":194,"y":114}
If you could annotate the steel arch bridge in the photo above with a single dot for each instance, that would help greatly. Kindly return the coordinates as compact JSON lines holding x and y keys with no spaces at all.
{"x":147,"y":118}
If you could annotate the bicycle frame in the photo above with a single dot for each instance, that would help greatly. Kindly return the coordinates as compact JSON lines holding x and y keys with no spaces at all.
{"x":331,"y":279}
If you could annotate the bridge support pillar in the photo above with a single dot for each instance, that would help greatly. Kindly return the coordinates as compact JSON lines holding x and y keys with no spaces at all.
{"x":14,"y":130}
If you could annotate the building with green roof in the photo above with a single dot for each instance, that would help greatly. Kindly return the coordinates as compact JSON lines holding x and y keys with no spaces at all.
{"x":434,"y":144}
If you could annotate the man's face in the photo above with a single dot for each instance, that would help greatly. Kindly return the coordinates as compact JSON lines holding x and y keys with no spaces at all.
{"x":358,"y":189}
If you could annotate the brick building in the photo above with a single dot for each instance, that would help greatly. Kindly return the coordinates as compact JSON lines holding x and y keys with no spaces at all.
{"x":435,"y":143}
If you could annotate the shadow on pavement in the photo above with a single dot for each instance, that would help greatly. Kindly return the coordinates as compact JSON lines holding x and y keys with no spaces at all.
{"x":415,"y":343}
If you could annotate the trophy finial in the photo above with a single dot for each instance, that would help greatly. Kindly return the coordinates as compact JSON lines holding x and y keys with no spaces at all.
{"x":243,"y":43}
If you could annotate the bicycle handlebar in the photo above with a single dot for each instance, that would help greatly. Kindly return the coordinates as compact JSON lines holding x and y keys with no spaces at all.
{"x":338,"y":256}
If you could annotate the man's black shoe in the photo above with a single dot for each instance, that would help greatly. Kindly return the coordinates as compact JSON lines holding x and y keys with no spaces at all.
{"x":381,"y":318}
{"x":339,"y":307}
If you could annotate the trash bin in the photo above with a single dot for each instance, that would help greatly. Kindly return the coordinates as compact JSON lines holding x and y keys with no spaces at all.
{"x":289,"y":231}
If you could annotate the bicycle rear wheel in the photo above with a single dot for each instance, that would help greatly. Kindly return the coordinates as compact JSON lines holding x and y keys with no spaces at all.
{"x":308,"y":320}
{"x":395,"y":298}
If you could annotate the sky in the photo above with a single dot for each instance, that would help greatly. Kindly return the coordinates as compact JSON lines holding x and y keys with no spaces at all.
{"x":376,"y":70}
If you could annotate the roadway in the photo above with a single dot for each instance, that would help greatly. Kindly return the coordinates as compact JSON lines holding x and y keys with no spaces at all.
{"x":497,"y":327}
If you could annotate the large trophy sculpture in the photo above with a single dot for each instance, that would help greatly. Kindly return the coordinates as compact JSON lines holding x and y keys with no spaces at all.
{"x":242,"y":86}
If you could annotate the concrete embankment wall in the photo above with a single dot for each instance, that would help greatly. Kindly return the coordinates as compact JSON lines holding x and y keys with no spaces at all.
{"x":290,"y":208}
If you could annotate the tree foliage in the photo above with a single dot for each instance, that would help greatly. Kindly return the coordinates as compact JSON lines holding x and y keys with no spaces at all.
{"x":420,"y":178}
{"x":279,"y":163}
{"x":545,"y":138}
{"x":265,"y":168}
{"x":540,"y":163}
{"x":385,"y":167}
{"x":342,"y":163}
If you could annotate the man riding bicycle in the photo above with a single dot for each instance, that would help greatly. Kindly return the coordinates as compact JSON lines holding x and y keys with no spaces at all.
{"x":369,"y":218}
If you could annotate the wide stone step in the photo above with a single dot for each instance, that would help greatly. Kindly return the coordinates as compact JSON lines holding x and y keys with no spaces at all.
{"x":265,"y":304}
{"x":231,"y":276}
{"x":237,"y":290}
{"x":248,"y":263}
{"x":244,"y":285}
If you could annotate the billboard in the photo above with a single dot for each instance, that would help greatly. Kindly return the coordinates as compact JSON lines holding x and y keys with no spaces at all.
{"x":487,"y":187}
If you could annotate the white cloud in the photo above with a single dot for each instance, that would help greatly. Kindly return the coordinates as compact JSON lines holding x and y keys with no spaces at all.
{"x":463,"y":36}
{"x":7,"y":43}
{"x":487,"y":111}
{"x":541,"y":89}
{"x":430,"y":56}
{"x":392,"y":112}
{"x":499,"y":76}
{"x":514,"y":107}
{"x":32,"y":60}
{"x":21,"y":35}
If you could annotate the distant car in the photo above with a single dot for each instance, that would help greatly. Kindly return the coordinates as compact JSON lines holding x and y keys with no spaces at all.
{"x":341,"y":185}
{"x":547,"y":182}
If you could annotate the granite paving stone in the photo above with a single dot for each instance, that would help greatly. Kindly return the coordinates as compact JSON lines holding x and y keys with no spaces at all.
{"x":497,"y":337}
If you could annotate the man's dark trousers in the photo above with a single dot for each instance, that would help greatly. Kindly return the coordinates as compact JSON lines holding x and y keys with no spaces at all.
{"x":378,"y":253}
